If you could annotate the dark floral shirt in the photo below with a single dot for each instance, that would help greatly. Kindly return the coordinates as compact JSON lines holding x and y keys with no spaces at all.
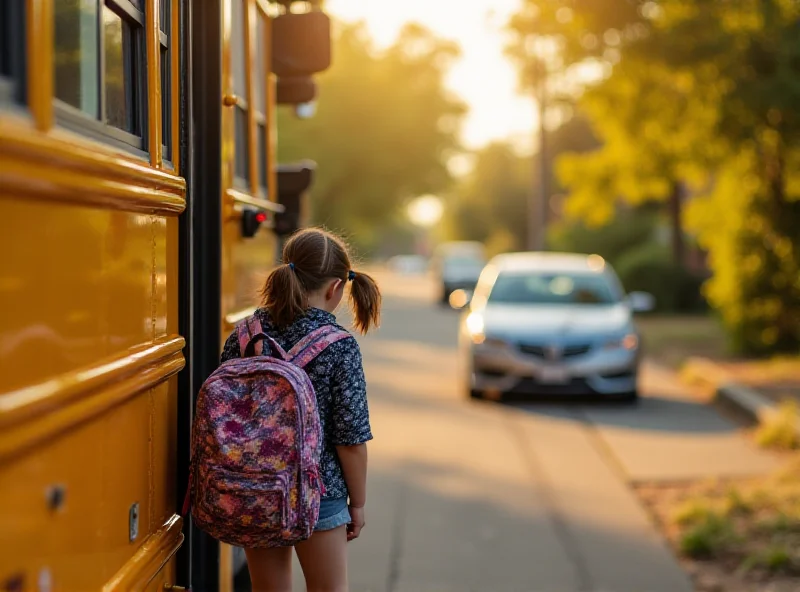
{"x":338,"y":378}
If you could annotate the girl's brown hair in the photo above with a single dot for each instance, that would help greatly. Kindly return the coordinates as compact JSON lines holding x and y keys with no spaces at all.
{"x":310,"y":257}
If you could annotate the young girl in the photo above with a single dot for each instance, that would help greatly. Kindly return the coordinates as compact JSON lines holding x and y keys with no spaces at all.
{"x":299,"y":297}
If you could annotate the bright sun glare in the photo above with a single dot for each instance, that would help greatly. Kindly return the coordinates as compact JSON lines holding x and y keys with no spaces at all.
{"x":483,"y":77}
{"x":425,"y":211}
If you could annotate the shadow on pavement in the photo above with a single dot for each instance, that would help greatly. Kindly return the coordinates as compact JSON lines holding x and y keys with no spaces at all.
{"x":433,"y":527}
{"x":651,"y":413}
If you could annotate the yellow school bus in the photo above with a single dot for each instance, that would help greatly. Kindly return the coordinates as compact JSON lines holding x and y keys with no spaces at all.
{"x":140,"y":207}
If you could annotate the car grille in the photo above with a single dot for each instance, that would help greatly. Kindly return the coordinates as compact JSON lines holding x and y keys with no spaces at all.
{"x":529,"y":386}
{"x":544,"y":352}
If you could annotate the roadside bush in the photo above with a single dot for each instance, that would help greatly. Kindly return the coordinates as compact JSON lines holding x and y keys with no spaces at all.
{"x":749,"y":227}
{"x":775,"y":558}
{"x":650,"y":268}
{"x":708,"y":537}
{"x":781,"y":430}
{"x":628,"y":230}
{"x":691,"y":513}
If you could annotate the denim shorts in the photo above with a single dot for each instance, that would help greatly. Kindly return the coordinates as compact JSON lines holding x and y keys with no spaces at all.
{"x":333,"y":513}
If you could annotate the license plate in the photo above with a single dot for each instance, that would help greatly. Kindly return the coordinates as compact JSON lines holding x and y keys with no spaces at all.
{"x":553,"y":375}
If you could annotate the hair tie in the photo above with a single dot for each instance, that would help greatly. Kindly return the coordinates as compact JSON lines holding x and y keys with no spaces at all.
{"x":291,"y":266}
{"x":351,"y":275}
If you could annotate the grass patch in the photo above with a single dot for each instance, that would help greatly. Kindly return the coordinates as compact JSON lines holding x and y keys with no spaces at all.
{"x":673,"y":338}
{"x":691,"y":513}
{"x":781,"y":430}
{"x":735,"y":504}
{"x":773,"y":559}
{"x":750,"y":528}
{"x":779,"y":525}
{"x":708,"y":537}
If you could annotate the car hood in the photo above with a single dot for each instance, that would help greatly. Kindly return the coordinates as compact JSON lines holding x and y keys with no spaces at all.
{"x":556,"y":322}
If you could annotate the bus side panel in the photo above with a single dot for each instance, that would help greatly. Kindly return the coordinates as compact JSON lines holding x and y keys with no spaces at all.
{"x":75,"y":286}
{"x":101,"y":470}
{"x":88,"y":417}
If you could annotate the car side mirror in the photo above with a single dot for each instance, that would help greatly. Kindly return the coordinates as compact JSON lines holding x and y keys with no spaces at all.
{"x":641,"y":301}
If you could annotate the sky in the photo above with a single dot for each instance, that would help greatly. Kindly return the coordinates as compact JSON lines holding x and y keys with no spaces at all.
{"x":483,"y":77}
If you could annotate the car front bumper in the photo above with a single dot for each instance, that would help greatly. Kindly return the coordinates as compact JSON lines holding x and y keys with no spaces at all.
{"x":508,"y":370}
{"x":453,"y":285}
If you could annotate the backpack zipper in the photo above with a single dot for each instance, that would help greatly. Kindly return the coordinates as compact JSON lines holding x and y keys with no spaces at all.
{"x":301,"y":376}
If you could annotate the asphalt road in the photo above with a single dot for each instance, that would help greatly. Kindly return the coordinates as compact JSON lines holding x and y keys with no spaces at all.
{"x":528,"y":497}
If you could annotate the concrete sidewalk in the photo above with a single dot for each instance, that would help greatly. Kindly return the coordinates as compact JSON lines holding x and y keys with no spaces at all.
{"x":480,"y":497}
{"x":491,"y":499}
{"x":672,"y":436}
{"x":468,"y":496}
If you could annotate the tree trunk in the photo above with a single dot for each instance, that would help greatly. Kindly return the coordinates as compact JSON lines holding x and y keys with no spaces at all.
{"x":676,"y":224}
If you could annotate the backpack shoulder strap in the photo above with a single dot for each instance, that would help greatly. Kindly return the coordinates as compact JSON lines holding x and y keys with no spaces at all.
{"x":309,"y":339}
{"x":313,"y":344}
{"x":252,"y":337}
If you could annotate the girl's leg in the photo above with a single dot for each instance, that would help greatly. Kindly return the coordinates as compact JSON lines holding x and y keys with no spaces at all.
{"x":323,"y":558}
{"x":270,"y":569}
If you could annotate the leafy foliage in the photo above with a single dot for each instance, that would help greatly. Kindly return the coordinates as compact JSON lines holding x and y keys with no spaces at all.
{"x":705,"y":93}
{"x":629,"y":230}
{"x":383,"y":131}
{"x":650,"y":268}
{"x":709,"y":536}
{"x":492,"y":203}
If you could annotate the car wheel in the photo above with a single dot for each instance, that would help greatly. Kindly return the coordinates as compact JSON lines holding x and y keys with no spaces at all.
{"x":465,"y":377}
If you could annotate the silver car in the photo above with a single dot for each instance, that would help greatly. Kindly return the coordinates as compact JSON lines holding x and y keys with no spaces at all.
{"x":551,"y":324}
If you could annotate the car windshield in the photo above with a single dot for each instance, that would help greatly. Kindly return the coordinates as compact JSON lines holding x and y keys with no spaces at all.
{"x":456,"y":263}
{"x":553,"y":288}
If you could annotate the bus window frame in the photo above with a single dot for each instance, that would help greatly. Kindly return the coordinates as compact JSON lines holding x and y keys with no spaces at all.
{"x":165,"y":49}
{"x":244,"y":104}
{"x":13,"y":83}
{"x":255,"y":160}
{"x":73,"y":119}
{"x":257,"y":117}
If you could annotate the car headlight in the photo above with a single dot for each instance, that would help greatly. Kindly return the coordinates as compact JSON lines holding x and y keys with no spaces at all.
{"x":629,"y":342}
{"x":474,"y":324}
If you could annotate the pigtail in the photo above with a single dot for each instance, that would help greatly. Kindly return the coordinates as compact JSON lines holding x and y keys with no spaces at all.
{"x":283,"y":296}
{"x":365,"y":299}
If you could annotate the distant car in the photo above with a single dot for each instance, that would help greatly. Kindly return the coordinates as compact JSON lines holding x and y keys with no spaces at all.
{"x":458,"y":266}
{"x":551,"y":324}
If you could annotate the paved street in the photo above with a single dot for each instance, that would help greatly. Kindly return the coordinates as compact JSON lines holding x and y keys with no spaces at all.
{"x":475,"y":496}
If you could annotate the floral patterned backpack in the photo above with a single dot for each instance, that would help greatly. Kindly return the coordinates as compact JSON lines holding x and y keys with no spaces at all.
{"x":256,"y":442}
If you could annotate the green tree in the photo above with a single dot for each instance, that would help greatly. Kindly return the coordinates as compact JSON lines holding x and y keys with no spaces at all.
{"x":491,"y":203}
{"x":705,"y":92}
{"x":384,"y":129}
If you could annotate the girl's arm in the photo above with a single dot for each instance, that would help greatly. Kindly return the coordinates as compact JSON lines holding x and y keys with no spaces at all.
{"x":351,"y":430}
{"x":354,"y":467}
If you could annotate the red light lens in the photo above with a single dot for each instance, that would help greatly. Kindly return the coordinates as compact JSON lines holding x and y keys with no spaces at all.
{"x":261,"y":217}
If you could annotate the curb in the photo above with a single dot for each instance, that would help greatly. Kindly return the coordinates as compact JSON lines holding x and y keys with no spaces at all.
{"x":754,"y":406}
{"x":745,"y":401}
